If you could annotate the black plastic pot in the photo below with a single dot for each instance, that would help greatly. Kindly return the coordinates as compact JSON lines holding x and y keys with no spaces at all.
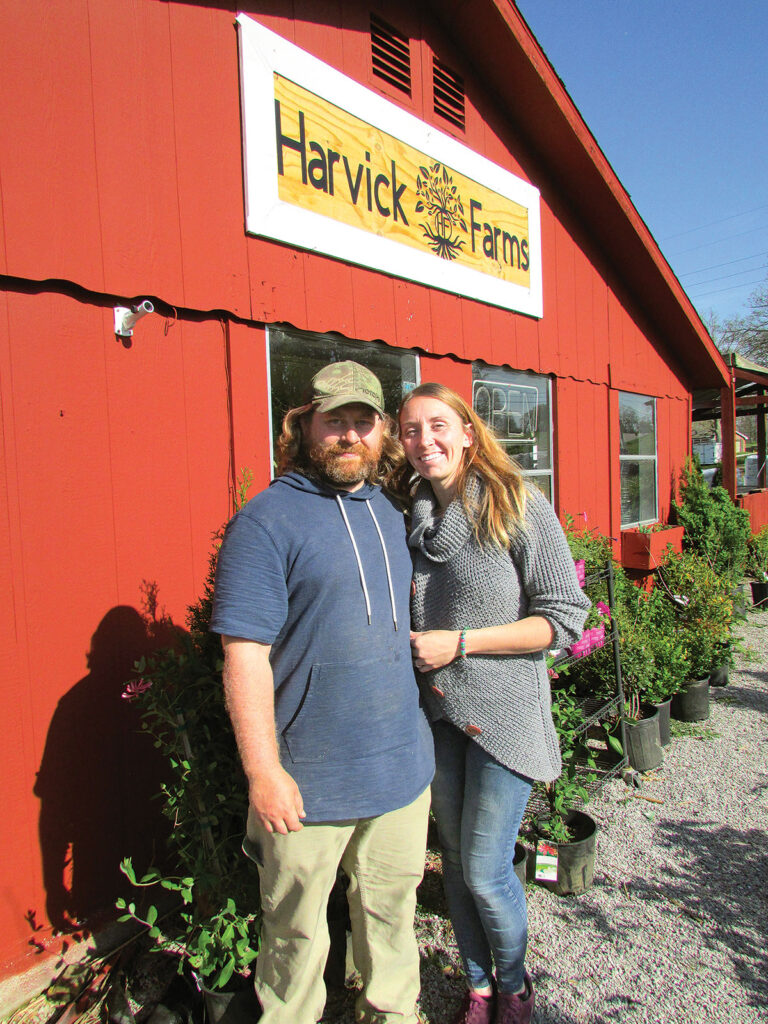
{"x":665,"y":735}
{"x":643,"y":740}
{"x":759,"y":594}
{"x":239,"y":1006}
{"x":576,"y":859}
{"x":719,"y":675}
{"x":691,"y":704}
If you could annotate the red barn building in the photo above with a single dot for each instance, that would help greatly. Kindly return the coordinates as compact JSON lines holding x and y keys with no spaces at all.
{"x":285,"y":183}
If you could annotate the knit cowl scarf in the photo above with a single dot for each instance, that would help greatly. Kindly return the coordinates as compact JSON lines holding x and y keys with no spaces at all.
{"x":501,"y":701}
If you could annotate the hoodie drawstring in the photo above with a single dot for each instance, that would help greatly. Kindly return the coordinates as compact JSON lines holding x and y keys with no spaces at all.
{"x":386,"y":563}
{"x":357,"y":556}
{"x":360,"y":564}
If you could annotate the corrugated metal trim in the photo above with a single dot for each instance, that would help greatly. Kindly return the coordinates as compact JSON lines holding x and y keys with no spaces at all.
{"x":448,"y":90}
{"x":390,"y":55}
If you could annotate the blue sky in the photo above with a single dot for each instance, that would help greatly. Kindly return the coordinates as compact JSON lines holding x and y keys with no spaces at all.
{"x":675,"y":93}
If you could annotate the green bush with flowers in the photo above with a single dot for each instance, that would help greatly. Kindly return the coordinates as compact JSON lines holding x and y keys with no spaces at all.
{"x":674,"y":632}
{"x":214,"y":925}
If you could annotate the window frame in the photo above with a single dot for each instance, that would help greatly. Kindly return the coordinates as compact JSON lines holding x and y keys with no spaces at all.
{"x":640,"y":459}
{"x":550,"y":474}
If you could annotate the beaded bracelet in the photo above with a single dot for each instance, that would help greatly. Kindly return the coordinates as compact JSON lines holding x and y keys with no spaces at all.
{"x":463,"y":643}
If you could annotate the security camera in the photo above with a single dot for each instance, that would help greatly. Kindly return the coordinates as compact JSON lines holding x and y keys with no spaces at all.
{"x":126,"y":317}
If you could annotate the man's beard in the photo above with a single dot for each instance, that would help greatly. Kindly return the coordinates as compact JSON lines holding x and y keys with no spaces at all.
{"x":328,"y":462}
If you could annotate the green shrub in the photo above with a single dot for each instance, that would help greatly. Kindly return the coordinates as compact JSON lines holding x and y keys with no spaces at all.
{"x":181,"y":698}
{"x":757,"y":559}
{"x":714,"y":527}
{"x":705,"y":617}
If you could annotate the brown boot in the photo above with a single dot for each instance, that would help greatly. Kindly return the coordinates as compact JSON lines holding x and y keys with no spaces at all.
{"x":515,"y":1009}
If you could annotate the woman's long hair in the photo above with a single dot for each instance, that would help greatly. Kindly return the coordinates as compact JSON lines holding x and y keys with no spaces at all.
{"x":497,"y":512}
{"x":293,"y":451}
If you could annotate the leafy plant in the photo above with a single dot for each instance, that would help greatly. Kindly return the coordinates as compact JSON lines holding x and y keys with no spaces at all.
{"x":706,"y":609}
{"x":571,"y":788}
{"x":180,"y":694}
{"x":217,"y":944}
{"x":714,"y":527}
{"x":660,"y":620}
{"x":587,"y":544}
{"x":757,"y":556}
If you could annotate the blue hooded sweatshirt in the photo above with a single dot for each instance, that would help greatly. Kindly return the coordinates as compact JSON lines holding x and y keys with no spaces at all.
{"x":324,"y":576}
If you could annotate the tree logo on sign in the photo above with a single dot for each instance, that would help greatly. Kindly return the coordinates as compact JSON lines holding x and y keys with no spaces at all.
{"x":438,"y":196}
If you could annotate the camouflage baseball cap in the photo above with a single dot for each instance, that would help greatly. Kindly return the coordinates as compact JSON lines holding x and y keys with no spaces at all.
{"x":343,"y":383}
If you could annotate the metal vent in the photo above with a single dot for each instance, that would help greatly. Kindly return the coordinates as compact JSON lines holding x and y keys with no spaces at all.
{"x":391,"y":55}
{"x":448,"y":90}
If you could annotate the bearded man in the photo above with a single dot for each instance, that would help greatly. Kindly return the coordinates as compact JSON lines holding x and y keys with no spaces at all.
{"x":312,"y":601}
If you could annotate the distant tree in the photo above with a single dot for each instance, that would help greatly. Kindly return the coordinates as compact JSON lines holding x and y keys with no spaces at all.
{"x":746,"y":334}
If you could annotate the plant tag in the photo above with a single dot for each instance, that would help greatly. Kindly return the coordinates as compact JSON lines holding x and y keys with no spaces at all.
{"x":546,"y":862}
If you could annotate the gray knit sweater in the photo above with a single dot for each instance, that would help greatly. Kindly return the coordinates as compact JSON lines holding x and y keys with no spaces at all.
{"x":502,"y":701}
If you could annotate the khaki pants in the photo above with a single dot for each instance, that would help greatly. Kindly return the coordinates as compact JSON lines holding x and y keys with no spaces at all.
{"x":384,"y":859}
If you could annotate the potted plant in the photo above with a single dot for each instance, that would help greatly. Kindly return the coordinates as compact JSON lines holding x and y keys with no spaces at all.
{"x":638,"y":668}
{"x":671,"y":662}
{"x":646,"y":547}
{"x":704,"y":623}
{"x":561,"y":827}
{"x":587,"y":546}
{"x":757,"y":566}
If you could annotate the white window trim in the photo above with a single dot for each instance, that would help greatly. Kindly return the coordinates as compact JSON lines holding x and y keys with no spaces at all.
{"x":642,"y":458}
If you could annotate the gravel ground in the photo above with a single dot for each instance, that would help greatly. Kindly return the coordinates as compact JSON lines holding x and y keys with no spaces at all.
{"x":675,"y":927}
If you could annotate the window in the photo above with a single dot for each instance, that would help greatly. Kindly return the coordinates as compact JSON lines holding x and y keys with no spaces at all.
{"x":296,"y":356}
{"x":637,"y":431}
{"x":517,"y":406}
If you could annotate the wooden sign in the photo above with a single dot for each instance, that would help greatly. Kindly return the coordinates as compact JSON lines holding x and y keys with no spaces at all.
{"x":334,"y":168}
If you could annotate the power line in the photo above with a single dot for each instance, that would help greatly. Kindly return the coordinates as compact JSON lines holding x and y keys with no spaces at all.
{"x":733,"y":287}
{"x":712,"y":223}
{"x":729,"y":263}
{"x":724,"y":238}
{"x":723,"y":277}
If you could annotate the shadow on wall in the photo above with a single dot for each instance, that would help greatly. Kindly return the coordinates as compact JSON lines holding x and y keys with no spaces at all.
{"x":98,"y":776}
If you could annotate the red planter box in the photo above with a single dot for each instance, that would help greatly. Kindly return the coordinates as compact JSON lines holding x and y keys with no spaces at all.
{"x":647,"y":550}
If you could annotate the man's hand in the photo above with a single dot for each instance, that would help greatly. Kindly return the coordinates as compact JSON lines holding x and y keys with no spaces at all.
{"x":249,"y":693}
{"x":434,"y":648}
{"x":276,"y":799}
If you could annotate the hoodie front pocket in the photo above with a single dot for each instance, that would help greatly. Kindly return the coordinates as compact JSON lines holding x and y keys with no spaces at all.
{"x":350,"y":711}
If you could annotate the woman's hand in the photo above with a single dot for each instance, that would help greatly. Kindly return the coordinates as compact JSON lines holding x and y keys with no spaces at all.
{"x":434,"y":648}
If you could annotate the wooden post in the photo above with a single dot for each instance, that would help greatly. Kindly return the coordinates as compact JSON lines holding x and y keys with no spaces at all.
{"x":761,"y":452}
{"x":728,"y":415}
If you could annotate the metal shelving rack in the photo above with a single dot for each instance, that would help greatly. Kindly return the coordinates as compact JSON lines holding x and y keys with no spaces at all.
{"x":597,"y":711}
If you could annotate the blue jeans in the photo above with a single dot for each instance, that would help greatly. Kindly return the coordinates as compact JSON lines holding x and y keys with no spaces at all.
{"x":478,"y":806}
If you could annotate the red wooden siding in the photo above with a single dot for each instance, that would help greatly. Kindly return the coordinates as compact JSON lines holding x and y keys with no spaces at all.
{"x":152,"y":180}
{"x":115,"y":473}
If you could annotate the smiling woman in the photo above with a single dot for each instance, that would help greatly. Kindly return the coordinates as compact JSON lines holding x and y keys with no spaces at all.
{"x":494,"y":586}
{"x":434,"y":438}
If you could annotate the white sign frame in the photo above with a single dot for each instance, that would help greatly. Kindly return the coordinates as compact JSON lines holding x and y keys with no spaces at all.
{"x":262,"y":53}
